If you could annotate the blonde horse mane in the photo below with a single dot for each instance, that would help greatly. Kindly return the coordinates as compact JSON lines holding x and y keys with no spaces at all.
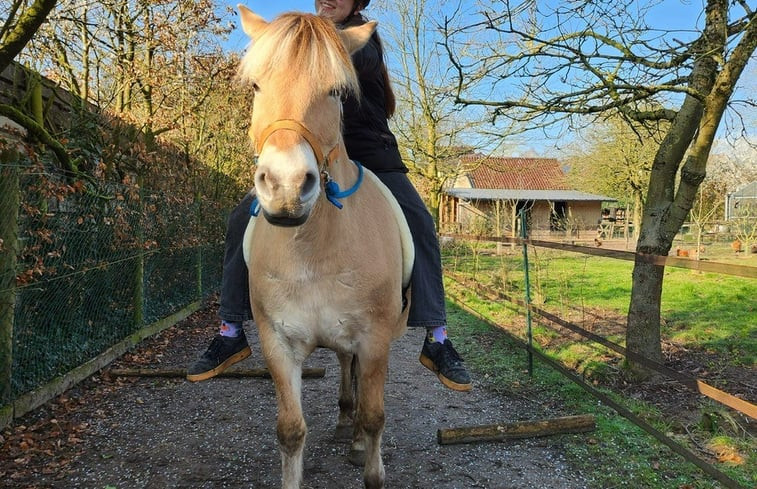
{"x":304,"y":46}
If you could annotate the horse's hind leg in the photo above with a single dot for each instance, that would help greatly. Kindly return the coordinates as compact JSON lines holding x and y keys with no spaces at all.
{"x":370,"y":413}
{"x":345,"y":421}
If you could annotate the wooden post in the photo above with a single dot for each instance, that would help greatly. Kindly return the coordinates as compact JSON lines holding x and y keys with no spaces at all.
{"x":198,"y":255}
{"x":307,"y":373}
{"x":518,"y":429}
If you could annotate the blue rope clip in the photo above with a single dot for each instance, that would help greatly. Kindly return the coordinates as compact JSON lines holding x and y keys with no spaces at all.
{"x":255,"y":207}
{"x":334,"y":193}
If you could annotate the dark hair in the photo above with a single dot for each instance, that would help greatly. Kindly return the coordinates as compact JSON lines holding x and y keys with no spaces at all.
{"x":390,"y":101}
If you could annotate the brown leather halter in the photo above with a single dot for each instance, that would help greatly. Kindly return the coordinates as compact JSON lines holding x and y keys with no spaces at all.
{"x":299,"y":128}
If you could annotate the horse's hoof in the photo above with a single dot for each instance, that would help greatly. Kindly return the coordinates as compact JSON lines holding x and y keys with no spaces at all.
{"x":356,"y":457}
{"x":343,"y":433}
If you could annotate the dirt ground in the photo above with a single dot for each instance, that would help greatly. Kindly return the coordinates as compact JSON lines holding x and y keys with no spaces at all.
{"x":128,"y":433}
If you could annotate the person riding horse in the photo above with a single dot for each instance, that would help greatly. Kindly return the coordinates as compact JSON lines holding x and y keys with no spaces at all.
{"x":368,"y":140}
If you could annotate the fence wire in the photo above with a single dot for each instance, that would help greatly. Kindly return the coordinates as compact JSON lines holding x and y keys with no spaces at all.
{"x":93,"y":267}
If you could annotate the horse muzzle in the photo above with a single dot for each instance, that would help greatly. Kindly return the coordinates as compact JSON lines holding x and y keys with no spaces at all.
{"x":287,"y":193}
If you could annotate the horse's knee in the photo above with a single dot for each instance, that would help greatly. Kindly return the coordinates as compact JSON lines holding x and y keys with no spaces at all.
{"x":372,"y":422}
{"x":291,"y":436}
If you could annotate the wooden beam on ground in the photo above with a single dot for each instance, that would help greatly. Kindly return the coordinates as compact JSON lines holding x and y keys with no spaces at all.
{"x":307,"y":373}
{"x":519,"y":429}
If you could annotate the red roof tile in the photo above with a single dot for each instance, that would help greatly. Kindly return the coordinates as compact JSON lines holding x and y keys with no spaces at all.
{"x":516,"y":173}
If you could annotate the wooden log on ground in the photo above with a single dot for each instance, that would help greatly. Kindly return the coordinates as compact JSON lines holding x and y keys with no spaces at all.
{"x":307,"y":373}
{"x":518,"y":429}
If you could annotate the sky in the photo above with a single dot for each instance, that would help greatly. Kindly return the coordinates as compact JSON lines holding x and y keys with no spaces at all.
{"x":667,"y":14}
{"x":677,"y":14}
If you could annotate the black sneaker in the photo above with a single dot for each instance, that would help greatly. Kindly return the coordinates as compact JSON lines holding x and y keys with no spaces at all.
{"x":445,"y":362}
{"x":222,"y":353}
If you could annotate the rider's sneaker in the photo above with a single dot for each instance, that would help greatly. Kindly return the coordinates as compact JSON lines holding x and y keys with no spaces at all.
{"x":445,"y":362}
{"x":223,"y":352}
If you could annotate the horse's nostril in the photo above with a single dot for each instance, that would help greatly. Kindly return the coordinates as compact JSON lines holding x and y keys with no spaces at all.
{"x":311,"y":180}
{"x":263,"y":179}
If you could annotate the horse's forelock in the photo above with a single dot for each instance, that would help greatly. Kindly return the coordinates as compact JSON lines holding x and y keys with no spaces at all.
{"x":301,"y":47}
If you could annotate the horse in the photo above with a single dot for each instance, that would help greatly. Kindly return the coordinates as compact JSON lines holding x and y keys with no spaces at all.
{"x":331,"y":256}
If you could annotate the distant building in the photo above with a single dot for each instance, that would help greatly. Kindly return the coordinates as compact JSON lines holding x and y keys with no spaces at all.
{"x":497,"y":188}
{"x":742,"y":203}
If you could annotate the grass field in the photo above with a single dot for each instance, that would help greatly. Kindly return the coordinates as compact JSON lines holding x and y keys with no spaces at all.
{"x":704,"y":315}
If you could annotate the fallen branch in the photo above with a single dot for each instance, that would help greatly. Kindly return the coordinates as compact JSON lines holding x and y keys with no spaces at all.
{"x":307,"y":373}
{"x":518,"y":429}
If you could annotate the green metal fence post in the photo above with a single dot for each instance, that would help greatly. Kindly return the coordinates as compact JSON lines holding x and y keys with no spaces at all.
{"x":199,"y":225}
{"x":524,"y":236}
{"x":138,"y":297}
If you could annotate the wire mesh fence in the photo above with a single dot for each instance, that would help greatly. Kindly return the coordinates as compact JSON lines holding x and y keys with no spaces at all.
{"x":82,"y":269}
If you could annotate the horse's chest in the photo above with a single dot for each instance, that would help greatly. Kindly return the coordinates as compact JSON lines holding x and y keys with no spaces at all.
{"x":312,"y":289}
{"x":315,"y":308}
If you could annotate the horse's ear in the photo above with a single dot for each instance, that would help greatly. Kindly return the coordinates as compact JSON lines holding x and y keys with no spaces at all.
{"x":252,"y":24}
{"x":355,"y":38}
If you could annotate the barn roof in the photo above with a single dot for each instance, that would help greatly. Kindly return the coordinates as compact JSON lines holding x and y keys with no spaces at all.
{"x":516,"y":173}
{"x":495,"y":178}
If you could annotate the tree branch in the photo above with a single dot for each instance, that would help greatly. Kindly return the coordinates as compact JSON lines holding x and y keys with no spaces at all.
{"x":40,"y":133}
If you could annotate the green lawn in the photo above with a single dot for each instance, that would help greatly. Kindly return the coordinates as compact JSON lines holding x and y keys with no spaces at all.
{"x":701,"y":312}
{"x":704,"y":311}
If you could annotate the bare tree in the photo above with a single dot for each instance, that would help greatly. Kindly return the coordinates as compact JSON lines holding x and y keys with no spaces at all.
{"x":704,"y":209}
{"x":432,"y":132}
{"x":614,"y":158}
{"x":579,"y":61}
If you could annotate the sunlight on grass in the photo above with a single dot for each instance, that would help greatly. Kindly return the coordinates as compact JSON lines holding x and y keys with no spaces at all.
{"x":700,"y":312}
{"x":706,"y":311}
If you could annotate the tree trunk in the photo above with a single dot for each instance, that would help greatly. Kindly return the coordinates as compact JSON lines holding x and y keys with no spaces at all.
{"x":657,"y":233}
{"x":433,"y":207}
{"x":643,"y":332}
{"x":24,"y":30}
{"x":637,"y":213}
{"x":10,"y":199}
{"x":666,"y":208}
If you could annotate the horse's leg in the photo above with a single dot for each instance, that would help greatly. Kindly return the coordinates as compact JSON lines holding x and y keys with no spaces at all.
{"x":345,"y":421}
{"x":370,"y":411}
{"x":285,"y":367}
{"x":356,"y":455}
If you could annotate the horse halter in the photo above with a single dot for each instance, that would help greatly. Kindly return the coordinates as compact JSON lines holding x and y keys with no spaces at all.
{"x":331,"y":188}
{"x":299,"y":128}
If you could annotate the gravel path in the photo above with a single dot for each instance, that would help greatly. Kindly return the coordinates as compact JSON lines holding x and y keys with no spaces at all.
{"x":170,"y":433}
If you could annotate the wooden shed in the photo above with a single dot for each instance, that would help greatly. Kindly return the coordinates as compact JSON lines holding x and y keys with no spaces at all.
{"x":496,"y":188}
